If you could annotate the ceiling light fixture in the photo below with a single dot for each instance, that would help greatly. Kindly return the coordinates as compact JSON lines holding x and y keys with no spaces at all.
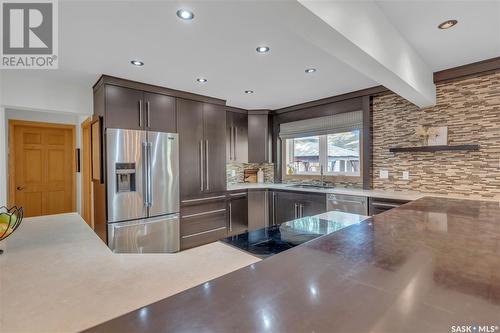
{"x":248,"y":91}
{"x":262,"y":49}
{"x":185,"y":14}
{"x":201,"y":80}
{"x":447,"y":24}
{"x":137,"y":63}
{"x":310,"y":70}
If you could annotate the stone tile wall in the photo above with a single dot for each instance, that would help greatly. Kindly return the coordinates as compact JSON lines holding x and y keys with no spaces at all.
{"x":470,"y":107}
{"x":238,"y":168}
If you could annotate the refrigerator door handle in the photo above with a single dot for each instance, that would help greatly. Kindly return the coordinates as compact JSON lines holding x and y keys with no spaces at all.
{"x":145,"y":173}
{"x":150,"y":194}
{"x":206,"y":166}
{"x":201,"y":166}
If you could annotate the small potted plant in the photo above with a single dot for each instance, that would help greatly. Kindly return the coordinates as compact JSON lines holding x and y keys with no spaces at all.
{"x":10,"y":219}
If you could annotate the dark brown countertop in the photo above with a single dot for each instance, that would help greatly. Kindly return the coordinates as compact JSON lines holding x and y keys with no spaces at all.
{"x":423,"y":267}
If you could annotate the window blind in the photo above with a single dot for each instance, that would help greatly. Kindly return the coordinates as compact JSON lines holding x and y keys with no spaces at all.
{"x":342,"y":122}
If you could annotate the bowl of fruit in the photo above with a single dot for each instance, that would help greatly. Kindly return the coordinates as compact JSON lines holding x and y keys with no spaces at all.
{"x":10,"y":219}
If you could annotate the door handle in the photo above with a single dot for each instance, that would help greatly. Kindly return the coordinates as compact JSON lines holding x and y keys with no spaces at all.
{"x":296,"y":213}
{"x":148,"y":115}
{"x":201,"y":166}
{"x":206,"y":166}
{"x":301,"y":210}
{"x":145,"y":173}
{"x":150,"y":193}
{"x":140,"y":113}
{"x":20,"y":188}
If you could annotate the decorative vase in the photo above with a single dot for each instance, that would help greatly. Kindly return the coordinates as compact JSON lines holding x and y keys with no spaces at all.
{"x":10,"y":219}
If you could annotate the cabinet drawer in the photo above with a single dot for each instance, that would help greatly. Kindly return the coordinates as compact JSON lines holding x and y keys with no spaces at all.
{"x":202,"y":205}
{"x":202,"y":222}
{"x":202,"y":238}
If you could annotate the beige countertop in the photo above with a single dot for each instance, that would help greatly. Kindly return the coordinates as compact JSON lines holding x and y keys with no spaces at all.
{"x":395,"y":195}
{"x":56,"y":275}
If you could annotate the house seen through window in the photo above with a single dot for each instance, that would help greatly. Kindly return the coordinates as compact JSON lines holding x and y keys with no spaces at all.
{"x":338,"y":153}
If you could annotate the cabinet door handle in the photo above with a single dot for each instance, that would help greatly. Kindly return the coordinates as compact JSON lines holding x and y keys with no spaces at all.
{"x":148,"y":115}
{"x":230,"y":217}
{"x":140,"y":113}
{"x":206,"y":166}
{"x":301,"y":210}
{"x":234,"y":142}
{"x":201,"y":165}
{"x":296,"y":213}
{"x":231,"y":153}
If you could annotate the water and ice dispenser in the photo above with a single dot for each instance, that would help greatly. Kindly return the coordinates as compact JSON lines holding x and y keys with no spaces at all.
{"x":125,"y":177}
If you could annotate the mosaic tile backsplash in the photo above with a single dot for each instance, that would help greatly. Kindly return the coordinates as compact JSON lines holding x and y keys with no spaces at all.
{"x":470,"y":108}
{"x":238,"y":169}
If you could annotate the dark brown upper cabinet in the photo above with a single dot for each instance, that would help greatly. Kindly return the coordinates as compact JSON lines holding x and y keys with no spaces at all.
{"x":129,"y":108}
{"x":160,"y":113}
{"x":237,"y":137}
{"x":202,"y":137}
{"x":123,"y":108}
{"x":259,"y":137}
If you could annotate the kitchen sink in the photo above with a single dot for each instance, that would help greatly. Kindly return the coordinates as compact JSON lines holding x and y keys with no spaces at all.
{"x":312,"y":186}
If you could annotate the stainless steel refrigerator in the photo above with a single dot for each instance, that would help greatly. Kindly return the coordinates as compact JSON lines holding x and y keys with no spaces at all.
{"x":142,"y":191}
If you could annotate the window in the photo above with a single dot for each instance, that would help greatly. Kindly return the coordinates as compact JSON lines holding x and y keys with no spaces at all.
{"x":343,"y":153}
{"x":337,"y":153}
{"x":305,"y":154}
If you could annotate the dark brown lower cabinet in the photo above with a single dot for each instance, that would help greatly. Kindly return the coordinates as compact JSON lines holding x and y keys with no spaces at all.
{"x":380,"y":205}
{"x":203,"y":221}
{"x":287,"y":206}
{"x":237,"y":213}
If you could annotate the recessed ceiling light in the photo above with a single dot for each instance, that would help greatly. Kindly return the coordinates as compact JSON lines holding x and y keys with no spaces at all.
{"x":185,"y":14}
{"x":137,"y":63}
{"x":248,"y":91}
{"x":447,"y":24}
{"x":201,"y":80}
{"x":262,"y":49}
{"x":310,"y":70}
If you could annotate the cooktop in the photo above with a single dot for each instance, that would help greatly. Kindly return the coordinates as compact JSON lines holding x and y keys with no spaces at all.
{"x":274,"y":239}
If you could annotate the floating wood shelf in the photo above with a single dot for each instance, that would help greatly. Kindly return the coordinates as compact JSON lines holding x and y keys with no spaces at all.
{"x":432,"y":148}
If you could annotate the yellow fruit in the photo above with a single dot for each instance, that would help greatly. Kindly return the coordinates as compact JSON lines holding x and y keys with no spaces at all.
{"x":6,"y":219}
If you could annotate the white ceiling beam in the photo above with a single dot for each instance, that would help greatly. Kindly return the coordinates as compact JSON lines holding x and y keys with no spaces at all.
{"x":359,"y":34}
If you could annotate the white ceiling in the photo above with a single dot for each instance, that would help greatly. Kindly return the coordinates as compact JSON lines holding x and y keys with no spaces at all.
{"x":99,"y":37}
{"x":476,"y":37}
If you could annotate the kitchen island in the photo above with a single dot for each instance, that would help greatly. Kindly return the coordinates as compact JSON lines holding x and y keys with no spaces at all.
{"x":56,"y":275}
{"x":427,"y":266}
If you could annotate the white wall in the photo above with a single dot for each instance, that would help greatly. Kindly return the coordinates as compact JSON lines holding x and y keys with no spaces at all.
{"x":45,"y":91}
{"x":39,"y":95}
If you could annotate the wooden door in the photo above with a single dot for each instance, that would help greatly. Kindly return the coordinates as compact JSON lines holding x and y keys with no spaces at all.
{"x":214,"y":118}
{"x":86,"y":169}
{"x":190,"y":126}
{"x":160,"y":113}
{"x":41,"y":168}
{"x":124,"y":108}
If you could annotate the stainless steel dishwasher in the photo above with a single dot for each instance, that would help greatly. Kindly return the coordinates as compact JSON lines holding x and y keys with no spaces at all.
{"x":347,"y":203}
